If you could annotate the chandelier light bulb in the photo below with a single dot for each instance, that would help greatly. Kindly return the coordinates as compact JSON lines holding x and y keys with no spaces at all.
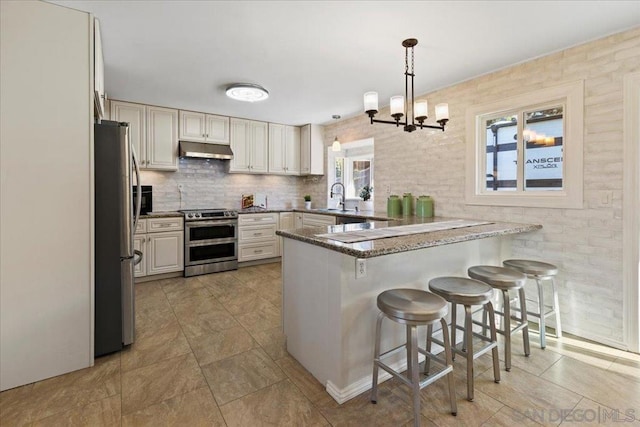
{"x":371,"y":102}
{"x":420,"y":110}
{"x":396,"y":104}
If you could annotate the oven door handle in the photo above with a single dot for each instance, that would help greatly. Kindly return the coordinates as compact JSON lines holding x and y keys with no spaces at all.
{"x":200,"y":224}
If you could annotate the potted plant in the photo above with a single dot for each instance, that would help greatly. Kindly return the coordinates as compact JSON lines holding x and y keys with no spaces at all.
{"x":366,"y":204}
{"x":307,"y":201}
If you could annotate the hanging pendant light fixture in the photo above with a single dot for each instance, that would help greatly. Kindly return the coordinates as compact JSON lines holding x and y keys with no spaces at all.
{"x":336,"y":144}
{"x":399,"y":105}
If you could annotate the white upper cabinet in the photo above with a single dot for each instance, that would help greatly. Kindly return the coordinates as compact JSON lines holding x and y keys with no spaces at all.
{"x":162,"y":138}
{"x":292,"y":155}
{"x":217,"y":129}
{"x":153,"y":132}
{"x":193,"y":126}
{"x":276,"y":148}
{"x":239,"y":137}
{"x":249,"y":143}
{"x":259,"y":147}
{"x":311,"y":150}
{"x":284,"y":149}
{"x":98,"y":72}
{"x":135,"y":115}
{"x":200,"y":127}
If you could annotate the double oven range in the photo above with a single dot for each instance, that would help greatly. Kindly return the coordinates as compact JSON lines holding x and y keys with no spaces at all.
{"x":210,"y":241}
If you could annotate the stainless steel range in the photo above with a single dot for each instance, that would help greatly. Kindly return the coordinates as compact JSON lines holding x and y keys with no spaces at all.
{"x":210,"y":241}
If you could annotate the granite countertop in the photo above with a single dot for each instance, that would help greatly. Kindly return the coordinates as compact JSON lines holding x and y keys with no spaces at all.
{"x":167,"y":214}
{"x":256,"y":209}
{"x":331,"y":212}
{"x":391,"y":245}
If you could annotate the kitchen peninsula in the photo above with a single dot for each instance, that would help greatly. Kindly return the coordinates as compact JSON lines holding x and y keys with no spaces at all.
{"x":330,"y":286}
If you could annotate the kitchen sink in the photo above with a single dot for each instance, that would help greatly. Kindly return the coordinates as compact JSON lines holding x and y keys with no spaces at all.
{"x":349,"y":219}
{"x":334,"y":210}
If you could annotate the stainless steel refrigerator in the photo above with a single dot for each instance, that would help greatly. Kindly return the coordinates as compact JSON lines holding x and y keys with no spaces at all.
{"x":115,"y":221}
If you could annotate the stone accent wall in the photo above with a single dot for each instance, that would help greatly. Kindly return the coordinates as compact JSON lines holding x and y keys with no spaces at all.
{"x":207,"y":184}
{"x":585,"y":243}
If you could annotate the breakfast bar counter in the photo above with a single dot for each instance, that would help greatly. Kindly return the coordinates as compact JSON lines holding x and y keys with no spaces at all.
{"x":331,"y":279}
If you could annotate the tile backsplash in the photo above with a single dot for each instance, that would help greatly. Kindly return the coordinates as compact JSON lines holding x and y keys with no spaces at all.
{"x":206,"y":183}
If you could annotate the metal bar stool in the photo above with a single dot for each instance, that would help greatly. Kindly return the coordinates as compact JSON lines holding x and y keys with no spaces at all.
{"x":468,"y":292}
{"x":413,"y":307}
{"x":504,"y":280}
{"x":540,"y":272}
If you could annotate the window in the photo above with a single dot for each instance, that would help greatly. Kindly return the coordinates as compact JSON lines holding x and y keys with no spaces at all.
{"x":353,"y":167}
{"x":527,"y":150}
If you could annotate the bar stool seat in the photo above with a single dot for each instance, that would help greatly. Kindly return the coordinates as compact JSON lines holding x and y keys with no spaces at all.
{"x":413,"y":307}
{"x":468,"y":292}
{"x":505,"y":280}
{"x":411,"y":304}
{"x":540,"y":272}
{"x":461,"y":290}
{"x":532,"y":268}
{"x":498,"y":277}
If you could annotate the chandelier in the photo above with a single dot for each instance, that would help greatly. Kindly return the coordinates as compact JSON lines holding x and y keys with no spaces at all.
{"x":399,"y":105}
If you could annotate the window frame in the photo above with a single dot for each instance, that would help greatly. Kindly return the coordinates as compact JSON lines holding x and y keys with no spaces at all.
{"x":571,"y":96}
{"x":347,"y":172}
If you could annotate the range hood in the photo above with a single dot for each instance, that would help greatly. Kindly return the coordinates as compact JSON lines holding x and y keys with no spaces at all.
{"x":205,"y":151}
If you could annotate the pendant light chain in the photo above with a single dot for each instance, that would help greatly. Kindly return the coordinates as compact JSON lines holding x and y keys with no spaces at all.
{"x":406,"y":79}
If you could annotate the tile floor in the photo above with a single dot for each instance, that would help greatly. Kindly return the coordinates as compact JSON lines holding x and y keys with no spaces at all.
{"x":209,"y":352}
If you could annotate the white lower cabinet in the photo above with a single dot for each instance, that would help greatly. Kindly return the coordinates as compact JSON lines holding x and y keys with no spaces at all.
{"x":317,"y":220}
{"x":287,"y":221}
{"x":161,"y":241}
{"x":257,"y":237}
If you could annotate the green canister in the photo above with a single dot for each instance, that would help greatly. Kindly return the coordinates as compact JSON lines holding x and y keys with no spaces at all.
{"x":407,"y":204}
{"x":394,"y":205}
{"x":424,"y":206}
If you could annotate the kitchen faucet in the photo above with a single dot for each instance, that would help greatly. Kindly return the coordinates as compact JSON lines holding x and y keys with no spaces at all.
{"x":342,"y":194}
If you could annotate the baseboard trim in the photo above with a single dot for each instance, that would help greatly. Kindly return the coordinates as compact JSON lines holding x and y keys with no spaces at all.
{"x":354,"y":389}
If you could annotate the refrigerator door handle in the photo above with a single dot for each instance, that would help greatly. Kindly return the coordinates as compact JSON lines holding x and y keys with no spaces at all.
{"x":138,"y":188}
{"x":137,"y":260}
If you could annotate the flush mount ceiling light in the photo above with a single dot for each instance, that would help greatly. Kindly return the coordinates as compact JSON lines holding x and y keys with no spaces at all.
{"x":336,"y":144}
{"x":247,"y":92}
{"x":400,"y":104}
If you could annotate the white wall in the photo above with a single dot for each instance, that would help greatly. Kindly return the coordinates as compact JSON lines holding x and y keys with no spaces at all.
{"x":585,"y":243}
{"x":46,"y":205}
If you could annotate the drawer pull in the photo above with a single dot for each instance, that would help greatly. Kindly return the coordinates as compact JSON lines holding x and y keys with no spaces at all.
{"x":257,"y":234}
{"x":257,"y":251}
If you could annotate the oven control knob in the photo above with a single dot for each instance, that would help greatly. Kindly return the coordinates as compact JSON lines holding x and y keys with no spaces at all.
{"x":197,"y":215}
{"x":189,"y":215}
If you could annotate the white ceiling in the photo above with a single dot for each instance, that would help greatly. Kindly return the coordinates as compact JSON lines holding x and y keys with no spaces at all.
{"x":317,"y":58}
